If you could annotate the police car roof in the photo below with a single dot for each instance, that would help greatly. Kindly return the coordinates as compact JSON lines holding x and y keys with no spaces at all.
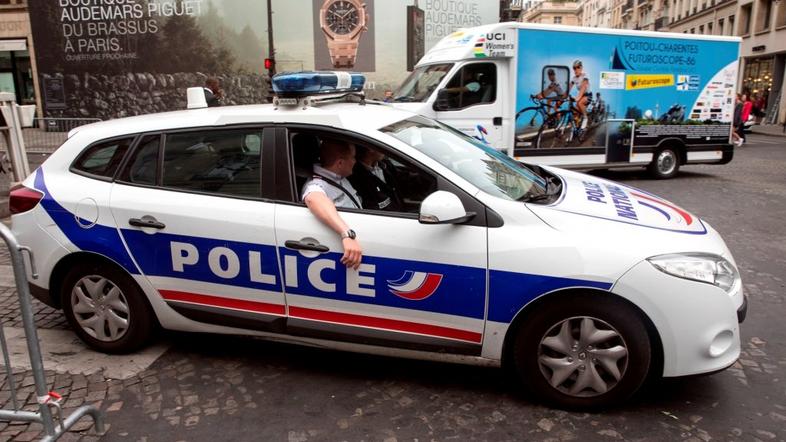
{"x":351,"y":116}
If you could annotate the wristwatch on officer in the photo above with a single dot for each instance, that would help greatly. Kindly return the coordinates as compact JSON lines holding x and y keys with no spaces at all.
{"x":343,"y":21}
{"x":349,"y":234}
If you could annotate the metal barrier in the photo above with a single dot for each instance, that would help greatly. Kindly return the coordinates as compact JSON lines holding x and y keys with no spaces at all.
{"x":47,"y":134}
{"x":46,"y":399}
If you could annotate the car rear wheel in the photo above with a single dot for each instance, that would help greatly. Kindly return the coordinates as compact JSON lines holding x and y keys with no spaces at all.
{"x":583,"y":352}
{"x":106,"y":308}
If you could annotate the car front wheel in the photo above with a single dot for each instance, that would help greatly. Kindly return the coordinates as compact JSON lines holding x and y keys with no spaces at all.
{"x":583,"y":352}
{"x":106,"y":308}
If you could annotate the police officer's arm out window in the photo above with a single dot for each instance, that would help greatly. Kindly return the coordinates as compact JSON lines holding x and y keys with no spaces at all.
{"x":328,"y":188}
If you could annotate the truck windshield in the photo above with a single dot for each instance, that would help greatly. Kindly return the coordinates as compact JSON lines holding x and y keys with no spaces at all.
{"x":489,"y":170}
{"x":421,"y":83}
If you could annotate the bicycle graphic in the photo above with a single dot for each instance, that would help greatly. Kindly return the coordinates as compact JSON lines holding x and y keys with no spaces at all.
{"x":566,"y":125}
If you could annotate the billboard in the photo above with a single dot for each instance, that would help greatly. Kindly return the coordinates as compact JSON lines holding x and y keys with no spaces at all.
{"x":655,"y":87}
{"x":416,"y":36}
{"x":112,"y":58}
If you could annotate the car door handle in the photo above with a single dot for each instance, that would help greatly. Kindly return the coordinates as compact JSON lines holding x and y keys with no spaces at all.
{"x":146,"y":221}
{"x":306,"y":245}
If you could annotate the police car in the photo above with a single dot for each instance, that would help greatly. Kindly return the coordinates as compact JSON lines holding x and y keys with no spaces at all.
{"x":192,"y":221}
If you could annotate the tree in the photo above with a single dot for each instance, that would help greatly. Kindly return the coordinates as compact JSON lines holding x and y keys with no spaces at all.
{"x":185,"y":48}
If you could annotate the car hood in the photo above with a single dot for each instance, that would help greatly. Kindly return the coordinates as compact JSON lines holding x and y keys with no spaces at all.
{"x":622,"y":220}
{"x":602,"y":199}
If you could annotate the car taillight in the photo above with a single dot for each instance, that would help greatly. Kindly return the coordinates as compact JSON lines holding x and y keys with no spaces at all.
{"x":23,"y":199}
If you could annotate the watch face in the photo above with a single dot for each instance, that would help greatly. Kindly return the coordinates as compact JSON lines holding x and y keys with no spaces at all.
{"x":342,"y":17}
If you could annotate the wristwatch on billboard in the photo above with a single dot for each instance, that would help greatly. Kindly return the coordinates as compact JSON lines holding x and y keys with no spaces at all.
{"x":343,"y":21}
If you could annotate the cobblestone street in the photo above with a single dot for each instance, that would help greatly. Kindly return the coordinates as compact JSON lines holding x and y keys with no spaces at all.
{"x":194,"y":387}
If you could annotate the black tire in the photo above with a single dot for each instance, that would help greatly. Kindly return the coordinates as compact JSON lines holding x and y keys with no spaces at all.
{"x":531,"y":357}
{"x":130,"y":304}
{"x":665,"y":163}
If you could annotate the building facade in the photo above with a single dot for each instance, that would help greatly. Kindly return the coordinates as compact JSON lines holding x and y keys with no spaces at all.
{"x":556,"y":12}
{"x":509,"y":10}
{"x":708,"y":17}
{"x":646,"y":15}
{"x":762,"y":26}
{"x":17,"y":60}
{"x":595,"y":13}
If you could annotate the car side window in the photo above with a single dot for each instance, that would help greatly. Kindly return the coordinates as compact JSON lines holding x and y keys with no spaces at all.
{"x":474,"y":83}
{"x":223,"y":161}
{"x":142,"y":167}
{"x":389,"y":183}
{"x":103,"y":159}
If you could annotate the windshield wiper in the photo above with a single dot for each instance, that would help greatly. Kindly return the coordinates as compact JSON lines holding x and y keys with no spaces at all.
{"x":552,"y":189}
{"x":529,"y":198}
{"x":404,"y":99}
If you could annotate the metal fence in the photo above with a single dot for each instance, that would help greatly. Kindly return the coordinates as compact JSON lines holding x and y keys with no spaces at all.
{"x":47,"y":400}
{"x":47,"y":134}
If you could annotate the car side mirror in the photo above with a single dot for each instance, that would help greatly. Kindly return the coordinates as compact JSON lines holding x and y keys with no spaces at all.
{"x":443,"y":207}
{"x":442,"y":102}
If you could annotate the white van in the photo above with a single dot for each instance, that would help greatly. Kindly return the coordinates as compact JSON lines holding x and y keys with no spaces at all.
{"x":583,"y":97}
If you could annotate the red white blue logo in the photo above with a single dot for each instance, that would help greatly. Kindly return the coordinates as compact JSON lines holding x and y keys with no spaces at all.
{"x":415,"y":286}
{"x":663,"y":207}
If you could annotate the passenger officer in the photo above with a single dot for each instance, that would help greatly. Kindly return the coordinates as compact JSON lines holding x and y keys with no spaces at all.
{"x":374,"y":181}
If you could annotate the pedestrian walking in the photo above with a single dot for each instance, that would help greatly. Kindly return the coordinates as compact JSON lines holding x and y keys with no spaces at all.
{"x":747,"y":107}
{"x":737,"y":126}
{"x":759,"y":107}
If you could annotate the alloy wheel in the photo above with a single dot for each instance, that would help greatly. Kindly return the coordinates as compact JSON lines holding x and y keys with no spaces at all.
{"x":100,"y":308}
{"x":583,"y":356}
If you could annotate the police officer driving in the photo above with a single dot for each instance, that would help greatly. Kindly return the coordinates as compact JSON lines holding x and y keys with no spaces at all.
{"x":329,"y":188}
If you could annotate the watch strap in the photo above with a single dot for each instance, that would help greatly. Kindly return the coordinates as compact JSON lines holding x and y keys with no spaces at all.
{"x":343,"y":53}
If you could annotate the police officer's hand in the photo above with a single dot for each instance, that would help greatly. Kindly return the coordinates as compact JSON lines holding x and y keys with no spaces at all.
{"x":352,"y":253}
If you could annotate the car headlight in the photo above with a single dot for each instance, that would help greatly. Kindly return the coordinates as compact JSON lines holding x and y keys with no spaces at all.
{"x":702,"y":267}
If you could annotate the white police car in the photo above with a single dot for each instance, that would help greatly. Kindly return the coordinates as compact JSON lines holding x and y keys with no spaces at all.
{"x":192,"y":221}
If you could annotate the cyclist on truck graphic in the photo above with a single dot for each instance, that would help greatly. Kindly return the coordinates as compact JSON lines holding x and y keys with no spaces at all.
{"x":581,"y":91}
{"x":553,"y":92}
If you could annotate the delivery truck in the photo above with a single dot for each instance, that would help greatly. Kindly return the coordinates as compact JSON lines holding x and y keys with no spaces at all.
{"x":583,"y":97}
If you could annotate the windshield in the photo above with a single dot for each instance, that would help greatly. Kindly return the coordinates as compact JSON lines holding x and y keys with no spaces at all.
{"x":421,"y":83}
{"x":489,"y":170}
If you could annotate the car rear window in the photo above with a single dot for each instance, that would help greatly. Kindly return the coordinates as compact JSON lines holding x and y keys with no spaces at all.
{"x":102,"y":159}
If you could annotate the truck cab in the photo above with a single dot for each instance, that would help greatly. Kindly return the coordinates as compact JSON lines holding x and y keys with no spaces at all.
{"x":582,"y":97}
{"x":467,"y":87}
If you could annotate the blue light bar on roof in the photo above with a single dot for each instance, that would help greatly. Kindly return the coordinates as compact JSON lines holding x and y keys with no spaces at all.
{"x":300,"y":84}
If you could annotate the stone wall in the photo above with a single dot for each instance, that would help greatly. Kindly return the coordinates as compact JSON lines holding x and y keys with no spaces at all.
{"x":116,"y":96}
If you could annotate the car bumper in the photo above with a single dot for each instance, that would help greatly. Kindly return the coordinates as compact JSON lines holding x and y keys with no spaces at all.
{"x":698,"y":323}
{"x":742,"y":312}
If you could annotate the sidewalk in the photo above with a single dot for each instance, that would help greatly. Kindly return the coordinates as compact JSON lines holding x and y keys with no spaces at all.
{"x":769,"y":129}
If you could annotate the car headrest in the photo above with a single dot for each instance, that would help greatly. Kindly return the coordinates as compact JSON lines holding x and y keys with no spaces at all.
{"x":305,"y":151}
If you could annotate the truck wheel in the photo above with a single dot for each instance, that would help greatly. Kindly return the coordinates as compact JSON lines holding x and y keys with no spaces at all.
{"x":106,"y":308}
{"x":665,"y":163}
{"x":582,"y":352}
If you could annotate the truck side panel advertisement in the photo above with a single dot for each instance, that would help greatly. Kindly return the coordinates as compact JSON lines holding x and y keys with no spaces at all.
{"x":591,"y":89}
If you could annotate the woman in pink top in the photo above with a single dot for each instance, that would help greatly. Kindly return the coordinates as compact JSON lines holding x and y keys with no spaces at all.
{"x":747,"y":106}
